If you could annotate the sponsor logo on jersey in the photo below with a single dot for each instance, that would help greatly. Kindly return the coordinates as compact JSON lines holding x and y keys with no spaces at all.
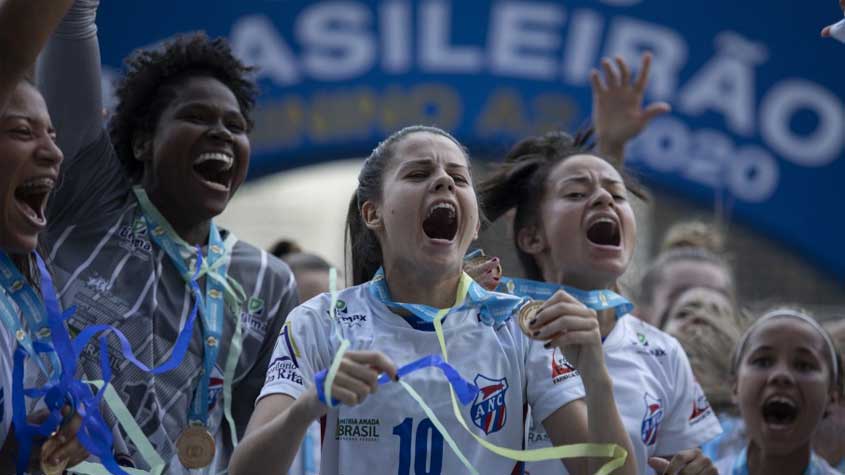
{"x":652,"y":419}
{"x":489,"y":410}
{"x":287,"y":338}
{"x":700,"y":406}
{"x":215,"y":388}
{"x":561,"y":368}
{"x":252,"y":317}
{"x":644,"y":347}
{"x":350,"y":428}
{"x":135,"y":238}
{"x":283,"y":369}
{"x":349,"y":320}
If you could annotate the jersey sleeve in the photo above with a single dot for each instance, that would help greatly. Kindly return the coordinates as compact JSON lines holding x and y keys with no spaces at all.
{"x":303,"y":349}
{"x":690,"y":421}
{"x":552,"y":382}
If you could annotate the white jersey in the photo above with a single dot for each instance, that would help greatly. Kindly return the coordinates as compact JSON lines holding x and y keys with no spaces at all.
{"x":7,"y":352}
{"x":389,"y":433}
{"x":726,"y":466}
{"x":661,"y":405}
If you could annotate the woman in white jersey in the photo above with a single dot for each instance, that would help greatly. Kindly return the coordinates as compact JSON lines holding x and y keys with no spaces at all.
{"x":29,"y":165}
{"x":414,"y":214}
{"x":574,"y":226}
{"x":786,"y":377}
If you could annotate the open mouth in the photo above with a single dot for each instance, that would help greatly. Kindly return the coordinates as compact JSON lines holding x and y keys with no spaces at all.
{"x":604,"y":232}
{"x":441,"y":221}
{"x":32,"y":198}
{"x":780,"y":411}
{"x":215,"y":168}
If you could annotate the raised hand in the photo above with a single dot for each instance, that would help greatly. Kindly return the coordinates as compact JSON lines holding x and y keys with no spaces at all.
{"x":827,"y":31}
{"x":686,"y":462}
{"x":486,"y":271}
{"x":357,"y":376}
{"x":618,"y":112}
{"x":566,"y":323}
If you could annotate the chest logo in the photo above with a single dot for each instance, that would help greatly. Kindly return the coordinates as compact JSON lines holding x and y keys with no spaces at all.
{"x":489,"y":410}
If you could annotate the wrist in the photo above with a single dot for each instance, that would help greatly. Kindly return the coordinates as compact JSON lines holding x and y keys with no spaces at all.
{"x":308,"y":408}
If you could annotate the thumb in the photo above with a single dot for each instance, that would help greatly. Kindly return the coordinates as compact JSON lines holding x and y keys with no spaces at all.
{"x":656,"y":109}
{"x":826,"y":32}
{"x":658,"y":464}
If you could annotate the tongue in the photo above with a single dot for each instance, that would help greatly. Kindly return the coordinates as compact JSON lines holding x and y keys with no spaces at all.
{"x":32,"y":201}
{"x":441,"y":224}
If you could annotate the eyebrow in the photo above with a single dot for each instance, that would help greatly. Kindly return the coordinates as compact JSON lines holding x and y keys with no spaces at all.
{"x":429,"y":162}
{"x":206,"y":107}
{"x":584,"y":179}
{"x":29,"y":120}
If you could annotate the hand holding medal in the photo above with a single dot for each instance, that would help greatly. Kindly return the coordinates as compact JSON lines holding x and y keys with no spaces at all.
{"x":63,"y":449}
{"x":564,"y":322}
{"x":485,"y":270}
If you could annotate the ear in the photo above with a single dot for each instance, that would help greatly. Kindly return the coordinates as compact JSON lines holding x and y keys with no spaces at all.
{"x":142,"y":146}
{"x":832,"y":401}
{"x":371,"y":214}
{"x":530,"y":240}
{"x":477,"y":229}
{"x":734,"y":393}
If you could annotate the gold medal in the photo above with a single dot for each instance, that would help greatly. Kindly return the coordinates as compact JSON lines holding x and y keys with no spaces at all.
{"x":195,"y":447}
{"x":527,"y":313}
{"x":47,"y":467}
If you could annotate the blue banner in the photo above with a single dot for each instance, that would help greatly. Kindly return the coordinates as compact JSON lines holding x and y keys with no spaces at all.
{"x":757,"y":123}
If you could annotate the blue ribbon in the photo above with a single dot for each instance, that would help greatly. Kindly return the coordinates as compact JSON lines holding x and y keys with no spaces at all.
{"x":94,"y":433}
{"x":465,"y":390}
{"x":741,"y":464}
{"x":597,"y":300}
{"x":494,"y":308}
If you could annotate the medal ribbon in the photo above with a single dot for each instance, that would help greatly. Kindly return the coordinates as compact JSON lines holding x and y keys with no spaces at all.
{"x":597,"y":300}
{"x":741,"y":464}
{"x":211,"y":304}
{"x":617,"y":454}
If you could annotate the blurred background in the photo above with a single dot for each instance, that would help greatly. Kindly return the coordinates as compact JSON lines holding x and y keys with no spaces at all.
{"x":754,"y":145}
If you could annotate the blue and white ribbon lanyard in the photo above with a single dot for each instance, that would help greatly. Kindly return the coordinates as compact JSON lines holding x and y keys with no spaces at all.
{"x":211,"y":305}
{"x":597,"y":300}
{"x":741,"y":464}
{"x":32,"y":309}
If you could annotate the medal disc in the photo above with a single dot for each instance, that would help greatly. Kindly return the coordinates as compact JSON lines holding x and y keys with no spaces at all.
{"x":195,"y":447}
{"x":526,"y":313}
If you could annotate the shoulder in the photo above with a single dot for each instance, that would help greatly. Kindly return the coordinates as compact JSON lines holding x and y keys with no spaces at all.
{"x":248,"y":259}
{"x":645,"y":335}
{"x":353,"y":302}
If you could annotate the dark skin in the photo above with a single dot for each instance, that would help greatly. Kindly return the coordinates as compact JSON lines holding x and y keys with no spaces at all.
{"x":204,"y":117}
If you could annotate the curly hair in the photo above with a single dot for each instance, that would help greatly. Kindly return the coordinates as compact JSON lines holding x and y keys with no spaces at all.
{"x":153,"y":77}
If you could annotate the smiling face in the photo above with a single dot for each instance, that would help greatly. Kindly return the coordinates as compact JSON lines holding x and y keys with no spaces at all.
{"x":199,"y":153}
{"x":586,"y":231}
{"x":29,"y":169}
{"x":784,"y":384}
{"x":428,"y":212}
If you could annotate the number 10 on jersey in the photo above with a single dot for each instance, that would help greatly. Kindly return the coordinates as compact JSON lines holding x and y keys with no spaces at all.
{"x":427,"y":445}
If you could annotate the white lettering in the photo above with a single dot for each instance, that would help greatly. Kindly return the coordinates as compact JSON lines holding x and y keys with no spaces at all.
{"x":521,"y":35}
{"x":396,"y":36}
{"x":780,"y":105}
{"x":753,"y":175}
{"x":257,"y":43}
{"x":583,"y":44}
{"x":337,"y":44}
{"x":436,"y":54}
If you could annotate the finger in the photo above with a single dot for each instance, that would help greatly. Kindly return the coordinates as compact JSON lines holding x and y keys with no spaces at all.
{"x":642,"y":79}
{"x":351,"y":384}
{"x":555,"y":311}
{"x":364,"y":374}
{"x":623,"y":70}
{"x":680,"y":460}
{"x":346,"y":396}
{"x":826,"y":32}
{"x":610,"y":76}
{"x":576,"y":338}
{"x":697,"y":466}
{"x":658,"y":464}
{"x":598,"y":85}
{"x":378,"y":360}
{"x":564,"y":324}
{"x":562,"y":296}
{"x":654,"y":110}
{"x":842,"y":5}
{"x":70,"y":450}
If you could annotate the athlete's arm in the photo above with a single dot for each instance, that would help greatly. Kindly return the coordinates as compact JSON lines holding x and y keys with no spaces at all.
{"x":836,"y":30}
{"x":686,"y":462}
{"x":618,"y":113}
{"x":567,"y":324}
{"x":279,"y":422}
{"x":25,"y":26}
{"x":69,"y":77}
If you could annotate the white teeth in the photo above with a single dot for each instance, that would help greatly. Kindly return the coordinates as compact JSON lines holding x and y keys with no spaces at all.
{"x":220,"y":157}
{"x":36,"y":185}
{"x":442,"y":205}
{"x":782,"y":400}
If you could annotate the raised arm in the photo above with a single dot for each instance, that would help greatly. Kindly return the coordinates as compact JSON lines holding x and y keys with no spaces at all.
{"x":836,"y":30}
{"x":69,"y":75}
{"x":25,"y":26}
{"x":618,"y":112}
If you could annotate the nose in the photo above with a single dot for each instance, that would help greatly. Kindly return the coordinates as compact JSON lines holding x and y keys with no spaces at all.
{"x":443,"y":181}
{"x":220,"y":132}
{"x":781,"y":375}
{"x":48,"y":153}
{"x":602,"y":198}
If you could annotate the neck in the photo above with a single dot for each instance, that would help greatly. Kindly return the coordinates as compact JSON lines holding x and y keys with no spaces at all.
{"x":765,"y":462}
{"x":191,"y":229}
{"x":607,"y":318}
{"x":419,"y":288}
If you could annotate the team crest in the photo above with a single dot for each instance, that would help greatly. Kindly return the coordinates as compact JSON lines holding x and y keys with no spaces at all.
{"x":651,"y":420}
{"x":489,"y":410}
{"x":561,"y":368}
{"x":700,"y":406}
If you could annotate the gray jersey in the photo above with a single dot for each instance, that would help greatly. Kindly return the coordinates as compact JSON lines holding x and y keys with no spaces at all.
{"x":106,"y":265}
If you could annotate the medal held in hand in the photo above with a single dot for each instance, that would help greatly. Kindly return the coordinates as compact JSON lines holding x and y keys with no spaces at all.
{"x":47,"y":467}
{"x":195,"y":447}
{"x":527,"y":313}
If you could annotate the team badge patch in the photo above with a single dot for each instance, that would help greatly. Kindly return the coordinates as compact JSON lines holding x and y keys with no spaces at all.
{"x":489,"y":410}
{"x":561,"y":368}
{"x":651,"y":420}
{"x":700,"y":406}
